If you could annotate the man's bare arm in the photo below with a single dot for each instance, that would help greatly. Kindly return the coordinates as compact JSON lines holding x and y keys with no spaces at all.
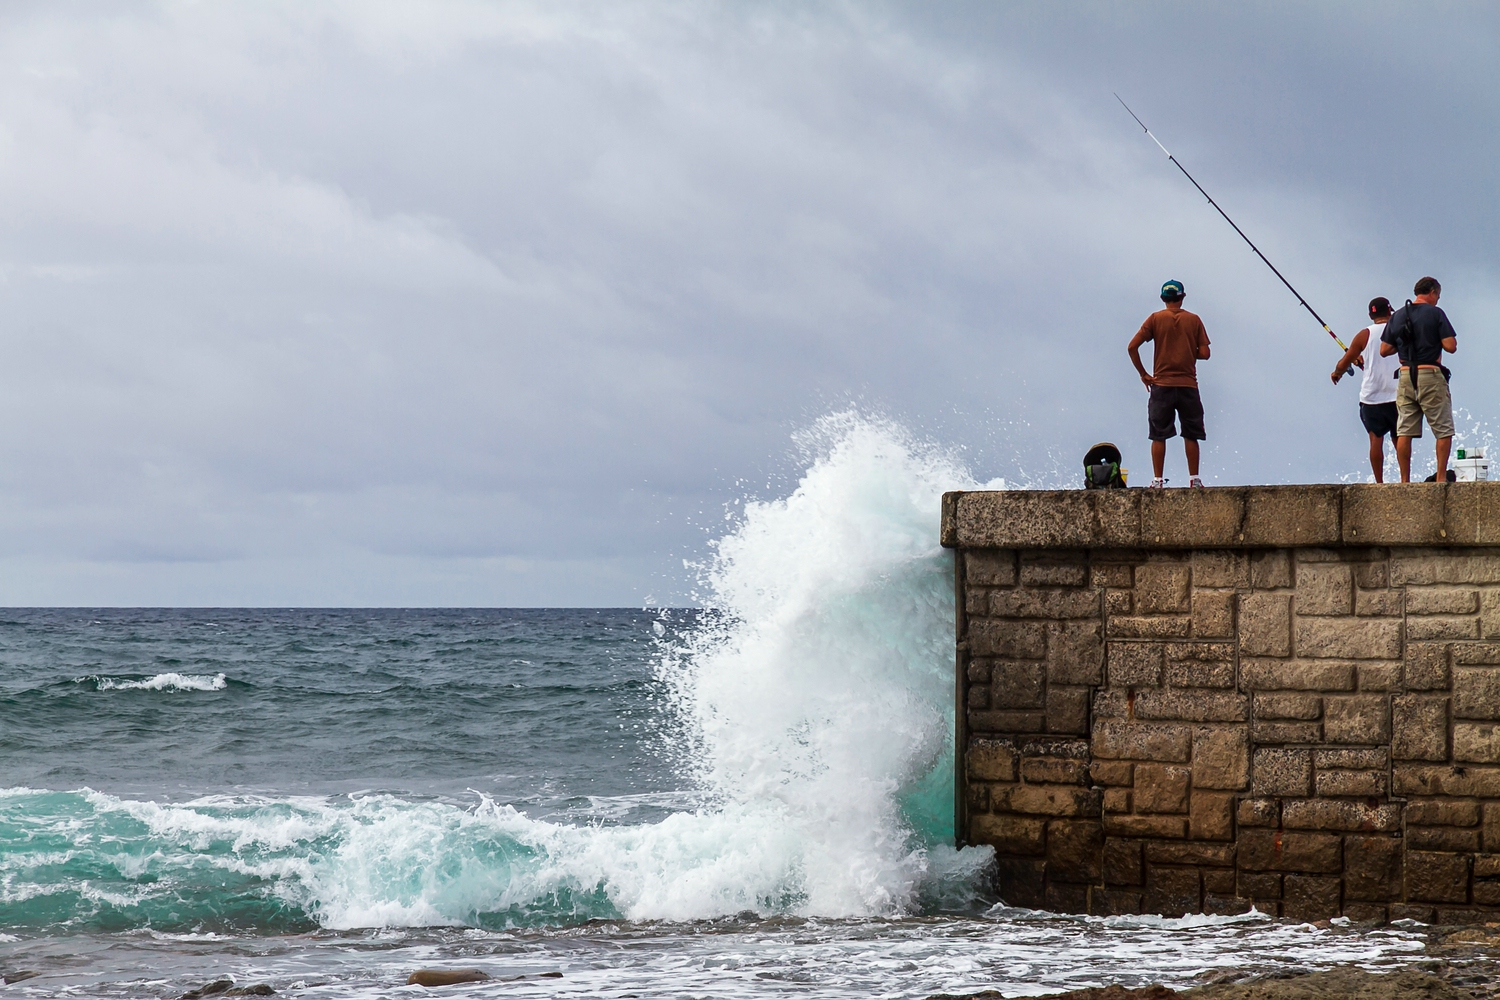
{"x":1386,"y":350}
{"x":1135,"y":357}
{"x":1356,"y":348}
{"x":1450,"y":344}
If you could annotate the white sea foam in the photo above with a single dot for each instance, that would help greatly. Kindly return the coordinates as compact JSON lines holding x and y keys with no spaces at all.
{"x":162,"y":682}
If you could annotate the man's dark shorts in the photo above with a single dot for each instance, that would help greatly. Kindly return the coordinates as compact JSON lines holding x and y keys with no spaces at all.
{"x":1379,"y":418}
{"x":1170,"y":401}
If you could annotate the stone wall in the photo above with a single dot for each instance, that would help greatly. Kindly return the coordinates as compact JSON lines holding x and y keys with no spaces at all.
{"x":1174,"y":701}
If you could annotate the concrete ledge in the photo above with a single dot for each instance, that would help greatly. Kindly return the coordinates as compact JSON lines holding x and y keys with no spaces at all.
{"x":1237,"y":517}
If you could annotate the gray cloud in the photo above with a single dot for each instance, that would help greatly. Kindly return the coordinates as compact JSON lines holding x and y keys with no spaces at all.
{"x":453,"y":303}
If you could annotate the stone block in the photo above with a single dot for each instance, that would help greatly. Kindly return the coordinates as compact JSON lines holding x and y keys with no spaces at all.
{"x":990,"y":567}
{"x":1442,"y":812}
{"x":1486,"y":865}
{"x":1067,"y":709}
{"x":1213,"y":614}
{"x":1200,"y":651}
{"x":1016,"y":684}
{"x":1417,"y":567}
{"x":1372,"y":675}
{"x":1271,"y":570}
{"x":1349,"y":757}
{"x":978,"y":670}
{"x":1112,"y":772}
{"x":991,"y":760}
{"x":1441,"y":838}
{"x":1161,"y":789}
{"x":1200,"y":674}
{"x":1446,"y":779}
{"x":1351,"y":783}
{"x":1008,"y":834}
{"x":1324,"y":589}
{"x":1471,"y":515}
{"x":1486,"y":893}
{"x":1310,"y":897}
{"x":1296,"y":675}
{"x":1348,"y":638}
{"x":1176,"y":519}
{"x":1156,"y":742}
{"x":1476,"y":693}
{"x":1365,"y":913}
{"x":977,"y":795}
{"x":1075,"y":653}
{"x":1294,"y":516}
{"x":1282,"y":772}
{"x":1474,"y":654}
{"x":1219,"y":881}
{"x":1189,"y":853}
{"x":979,"y":696}
{"x":1441,"y":601}
{"x":1114,"y":902}
{"x":1145,"y":826}
{"x":1221,"y":758}
{"x":1265,"y":628}
{"x":1158,"y":627}
{"x":1341,"y":814}
{"x":1442,"y":628}
{"x":1134,"y":664}
{"x":1022,"y":881}
{"x":1047,"y":800}
{"x":1122,"y":862}
{"x":1063,"y":570}
{"x":1259,"y":812}
{"x":1372,"y":603}
{"x":1361,"y":718}
{"x":1192,"y":706}
{"x":1066,"y":897}
{"x":1476,"y":742}
{"x":1437,"y":878}
{"x":1276,"y":850}
{"x":1172,"y":892}
{"x":1489,"y":613}
{"x":1412,"y":911}
{"x":1026,"y":640}
{"x":1266,"y":733}
{"x":1427,"y":666}
{"x":1112,"y":574}
{"x":1371,"y":575}
{"x":1259,"y":886}
{"x":1075,"y":850}
{"x":1490,"y":819}
{"x":1409,"y":515}
{"x":1161,"y":588}
{"x":1304,"y":707}
{"x":1220,"y":568}
{"x":1419,"y":727}
{"x":1054,"y":771}
{"x":1043,"y":519}
{"x":1052,"y":603}
{"x":1211,"y":815}
{"x":1117,"y":602}
{"x":991,"y":721}
{"x":1372,"y":868}
{"x":977,"y":601}
{"x":1117,"y":800}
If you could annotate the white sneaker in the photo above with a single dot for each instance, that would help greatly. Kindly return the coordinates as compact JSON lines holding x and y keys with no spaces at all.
{"x":1195,"y":483}
{"x":1157,"y":484}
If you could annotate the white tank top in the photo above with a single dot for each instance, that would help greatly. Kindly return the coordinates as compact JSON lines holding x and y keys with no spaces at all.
{"x":1379,"y":385}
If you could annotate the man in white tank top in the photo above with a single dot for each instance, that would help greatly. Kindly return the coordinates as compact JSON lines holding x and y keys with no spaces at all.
{"x":1377,"y":393}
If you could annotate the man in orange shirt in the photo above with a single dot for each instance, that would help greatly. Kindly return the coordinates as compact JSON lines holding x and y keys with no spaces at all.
{"x":1180,"y":342}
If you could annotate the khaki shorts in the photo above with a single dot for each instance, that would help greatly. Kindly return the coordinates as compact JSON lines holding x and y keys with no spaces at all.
{"x":1432,"y":401}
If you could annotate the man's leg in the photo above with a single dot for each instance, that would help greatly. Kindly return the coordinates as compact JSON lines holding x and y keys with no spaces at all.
{"x":1191,"y":448}
{"x":1403,"y":457}
{"x":1443,"y":444}
{"x":1377,"y":456}
{"x":1158,"y":457}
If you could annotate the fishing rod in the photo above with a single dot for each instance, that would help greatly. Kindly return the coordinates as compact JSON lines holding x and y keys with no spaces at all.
{"x":1237,"y":229}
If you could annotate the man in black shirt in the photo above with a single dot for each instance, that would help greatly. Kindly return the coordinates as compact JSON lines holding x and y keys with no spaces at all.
{"x":1420,"y":332}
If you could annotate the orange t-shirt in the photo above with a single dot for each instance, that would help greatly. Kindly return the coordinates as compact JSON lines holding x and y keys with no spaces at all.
{"x":1176,"y":338}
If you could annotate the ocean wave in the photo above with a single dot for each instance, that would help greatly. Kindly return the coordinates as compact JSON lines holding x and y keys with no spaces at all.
{"x":158,"y":682}
{"x":813,"y":719}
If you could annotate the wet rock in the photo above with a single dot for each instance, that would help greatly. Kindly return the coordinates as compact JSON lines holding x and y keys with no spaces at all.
{"x":1097,"y":993}
{"x":1336,"y":984}
{"x":17,"y":976}
{"x":226,"y":988}
{"x":446,"y":977}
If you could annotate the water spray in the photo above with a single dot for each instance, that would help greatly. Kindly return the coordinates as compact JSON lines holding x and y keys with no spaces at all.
{"x":1237,"y":229}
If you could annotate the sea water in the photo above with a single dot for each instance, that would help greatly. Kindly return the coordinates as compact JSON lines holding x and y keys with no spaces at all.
{"x":749,"y":800}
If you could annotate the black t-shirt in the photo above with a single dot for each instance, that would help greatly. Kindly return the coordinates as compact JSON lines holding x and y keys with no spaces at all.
{"x":1418,"y":329}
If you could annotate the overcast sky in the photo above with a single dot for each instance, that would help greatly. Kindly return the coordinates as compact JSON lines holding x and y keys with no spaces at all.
{"x":448,"y":303}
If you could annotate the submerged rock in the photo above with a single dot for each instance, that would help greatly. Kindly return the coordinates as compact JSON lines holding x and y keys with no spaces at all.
{"x":226,"y":988}
{"x":17,"y":976}
{"x":446,"y":977}
{"x":1345,"y":983}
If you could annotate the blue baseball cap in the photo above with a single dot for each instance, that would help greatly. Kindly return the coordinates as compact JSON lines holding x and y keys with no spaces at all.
{"x":1172,"y":290}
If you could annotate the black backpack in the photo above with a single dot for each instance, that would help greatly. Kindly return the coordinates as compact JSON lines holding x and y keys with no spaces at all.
{"x":1101,"y":468}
